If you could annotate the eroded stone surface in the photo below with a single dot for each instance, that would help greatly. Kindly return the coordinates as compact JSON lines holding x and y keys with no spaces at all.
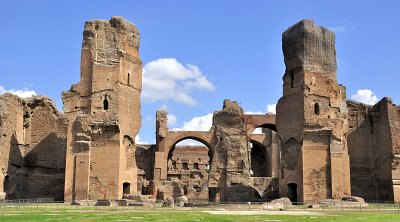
{"x":312,"y":117}
{"x":103,"y":112}
{"x":32,"y":148}
{"x":374,"y":142}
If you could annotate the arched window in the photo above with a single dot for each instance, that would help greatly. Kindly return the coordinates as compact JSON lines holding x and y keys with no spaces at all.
{"x":316,"y":109}
{"x":105,"y":103}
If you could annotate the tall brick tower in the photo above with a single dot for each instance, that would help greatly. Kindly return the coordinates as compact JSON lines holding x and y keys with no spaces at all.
{"x":103,"y":111}
{"x":312,"y":117}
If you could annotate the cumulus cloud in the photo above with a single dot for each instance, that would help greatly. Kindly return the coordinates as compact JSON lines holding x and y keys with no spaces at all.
{"x":139,"y":141}
{"x":365,"y":96}
{"x":166,"y":79}
{"x":23,"y":93}
{"x":271,"y":108}
{"x":198,"y":123}
{"x":337,"y":29}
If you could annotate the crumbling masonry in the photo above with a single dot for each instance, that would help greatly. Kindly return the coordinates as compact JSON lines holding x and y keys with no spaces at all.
{"x":319,"y":145}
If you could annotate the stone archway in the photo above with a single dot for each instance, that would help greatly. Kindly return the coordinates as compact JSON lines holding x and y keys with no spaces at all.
{"x":188,"y":170}
{"x":260,"y":160}
{"x":269,"y":138}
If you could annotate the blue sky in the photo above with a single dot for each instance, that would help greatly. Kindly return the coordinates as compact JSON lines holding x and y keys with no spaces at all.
{"x":220,"y":49}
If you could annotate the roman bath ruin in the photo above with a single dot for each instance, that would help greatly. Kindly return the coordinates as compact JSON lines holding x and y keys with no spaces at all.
{"x":319,"y":145}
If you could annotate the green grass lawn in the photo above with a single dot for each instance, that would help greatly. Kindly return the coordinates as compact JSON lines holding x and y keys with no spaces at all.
{"x":130,"y":215}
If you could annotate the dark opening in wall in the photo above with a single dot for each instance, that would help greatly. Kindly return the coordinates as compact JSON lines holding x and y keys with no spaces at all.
{"x":6,"y":184}
{"x":185,"y":166}
{"x":212,"y":194}
{"x":196,"y":166}
{"x":316,"y":109}
{"x":292,"y":192}
{"x":260,"y":163}
{"x":105,"y":103}
{"x":129,"y":78}
{"x":126,"y":188}
{"x":145,"y":190}
{"x":292,"y":79}
{"x":174,"y":164}
{"x":197,"y":188}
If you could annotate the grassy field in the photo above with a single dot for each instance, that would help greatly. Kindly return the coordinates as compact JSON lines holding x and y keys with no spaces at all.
{"x":178,"y":215}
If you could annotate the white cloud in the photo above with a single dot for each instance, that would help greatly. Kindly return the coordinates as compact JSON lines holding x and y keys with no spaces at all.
{"x":171,"y":119}
{"x":198,"y":123}
{"x":23,"y":93}
{"x":271,"y":108}
{"x":337,"y":29}
{"x":138,"y":141}
{"x":250,"y":112}
{"x":166,"y":79}
{"x":190,"y":142}
{"x":365,"y":96}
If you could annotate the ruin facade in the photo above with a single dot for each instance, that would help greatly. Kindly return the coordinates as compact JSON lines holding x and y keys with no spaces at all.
{"x":32,"y":148}
{"x":374,"y":149}
{"x":103,"y":112}
{"x":312,"y":117}
{"x":319,"y":145}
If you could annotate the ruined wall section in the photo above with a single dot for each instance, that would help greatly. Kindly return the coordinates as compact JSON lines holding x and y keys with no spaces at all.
{"x":382,"y":147}
{"x":11,"y":114}
{"x":394,"y":123}
{"x":312,"y":116}
{"x":187,"y":174}
{"x":374,"y":142}
{"x":230,"y":167}
{"x":33,"y":145}
{"x":103,"y":110}
{"x":144,"y":159}
{"x":360,"y":151}
{"x":160,"y":173}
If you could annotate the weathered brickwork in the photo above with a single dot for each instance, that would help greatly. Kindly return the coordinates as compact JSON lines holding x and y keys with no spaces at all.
{"x":318,"y":146}
{"x":374,"y":148}
{"x":32,"y":148}
{"x":103,"y":112}
{"x":231,"y":150}
{"x":312,"y":117}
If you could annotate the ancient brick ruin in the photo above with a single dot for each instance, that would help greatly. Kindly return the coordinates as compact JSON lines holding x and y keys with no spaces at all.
{"x":319,"y":145}
{"x":103,"y":112}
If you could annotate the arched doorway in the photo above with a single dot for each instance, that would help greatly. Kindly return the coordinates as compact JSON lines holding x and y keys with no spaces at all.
{"x":264,"y":156}
{"x":260,"y":160}
{"x":188,"y":167}
{"x":265,"y":153}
